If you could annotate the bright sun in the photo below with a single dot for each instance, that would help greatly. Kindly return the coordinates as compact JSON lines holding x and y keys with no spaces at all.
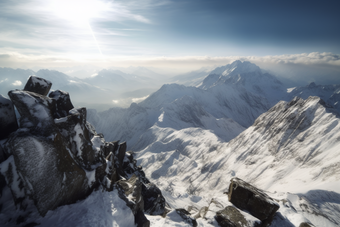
{"x":78,"y":12}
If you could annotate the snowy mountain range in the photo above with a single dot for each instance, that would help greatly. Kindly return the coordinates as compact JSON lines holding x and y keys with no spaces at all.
{"x":234,"y":121}
{"x":192,"y":140}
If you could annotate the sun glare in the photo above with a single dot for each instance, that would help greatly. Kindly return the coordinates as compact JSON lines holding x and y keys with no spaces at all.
{"x":78,"y":12}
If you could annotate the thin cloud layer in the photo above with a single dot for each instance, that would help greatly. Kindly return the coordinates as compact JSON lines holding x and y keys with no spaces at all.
{"x":322,"y":68}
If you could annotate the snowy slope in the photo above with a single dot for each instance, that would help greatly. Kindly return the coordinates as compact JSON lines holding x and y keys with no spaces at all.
{"x":241,"y":95}
{"x":180,"y":135}
{"x":180,"y":111}
{"x":294,"y":148}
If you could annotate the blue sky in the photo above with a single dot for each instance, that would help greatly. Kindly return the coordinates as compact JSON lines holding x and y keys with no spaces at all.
{"x":166,"y":32}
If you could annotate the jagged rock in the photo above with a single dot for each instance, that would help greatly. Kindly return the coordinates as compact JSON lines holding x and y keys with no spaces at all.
{"x":44,"y":170}
{"x":36,"y":111}
{"x":154,"y":202}
{"x":255,"y":201}
{"x":232,"y":217}
{"x":111,"y":147}
{"x":63,"y":103}
{"x":38,"y":85}
{"x":74,"y":129}
{"x":8,"y":121}
{"x":56,"y":157}
{"x":186,"y":217}
{"x":121,"y":153}
{"x":130,"y":167}
{"x":134,"y":199}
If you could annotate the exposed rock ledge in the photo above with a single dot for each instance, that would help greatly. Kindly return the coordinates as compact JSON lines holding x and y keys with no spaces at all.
{"x":54,"y":157}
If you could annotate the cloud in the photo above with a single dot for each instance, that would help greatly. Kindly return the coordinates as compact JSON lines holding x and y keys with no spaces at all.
{"x":322,"y":68}
{"x":137,"y":100}
{"x":17,"y":83}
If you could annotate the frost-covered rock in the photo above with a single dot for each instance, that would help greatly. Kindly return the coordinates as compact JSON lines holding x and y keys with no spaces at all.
{"x":247,"y":197}
{"x":45,"y":171}
{"x":232,"y":217}
{"x":8,"y":121}
{"x":36,"y":111}
{"x":63,"y":103}
{"x":38,"y":85}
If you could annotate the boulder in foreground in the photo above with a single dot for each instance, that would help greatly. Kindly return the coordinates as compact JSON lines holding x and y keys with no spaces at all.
{"x":247,"y":197}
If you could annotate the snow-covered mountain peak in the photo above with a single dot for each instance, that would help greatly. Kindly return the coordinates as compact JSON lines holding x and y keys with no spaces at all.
{"x":248,"y":76}
{"x":235,"y":68}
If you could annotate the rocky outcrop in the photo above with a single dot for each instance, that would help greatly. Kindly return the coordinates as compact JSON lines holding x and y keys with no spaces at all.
{"x":132,"y":190}
{"x":247,"y":197}
{"x":8,"y":121}
{"x":38,"y":85}
{"x":55,"y":157}
{"x":154,"y":202}
{"x":36,"y":111}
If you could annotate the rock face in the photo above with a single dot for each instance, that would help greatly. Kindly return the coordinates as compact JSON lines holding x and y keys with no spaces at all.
{"x":55,"y":157}
{"x":255,"y":201}
{"x":8,"y":121}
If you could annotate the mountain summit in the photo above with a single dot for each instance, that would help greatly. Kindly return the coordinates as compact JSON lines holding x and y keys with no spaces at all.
{"x":249,"y":76}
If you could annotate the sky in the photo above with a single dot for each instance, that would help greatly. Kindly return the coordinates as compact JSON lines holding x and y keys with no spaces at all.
{"x":182,"y":34}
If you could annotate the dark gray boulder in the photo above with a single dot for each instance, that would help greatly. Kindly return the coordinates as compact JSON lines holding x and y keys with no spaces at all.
{"x":63,"y":103}
{"x":154,"y":202}
{"x":247,"y":197}
{"x":38,"y":85}
{"x":44,"y":170}
{"x":8,"y":121}
{"x":232,"y":217}
{"x":36,"y":111}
